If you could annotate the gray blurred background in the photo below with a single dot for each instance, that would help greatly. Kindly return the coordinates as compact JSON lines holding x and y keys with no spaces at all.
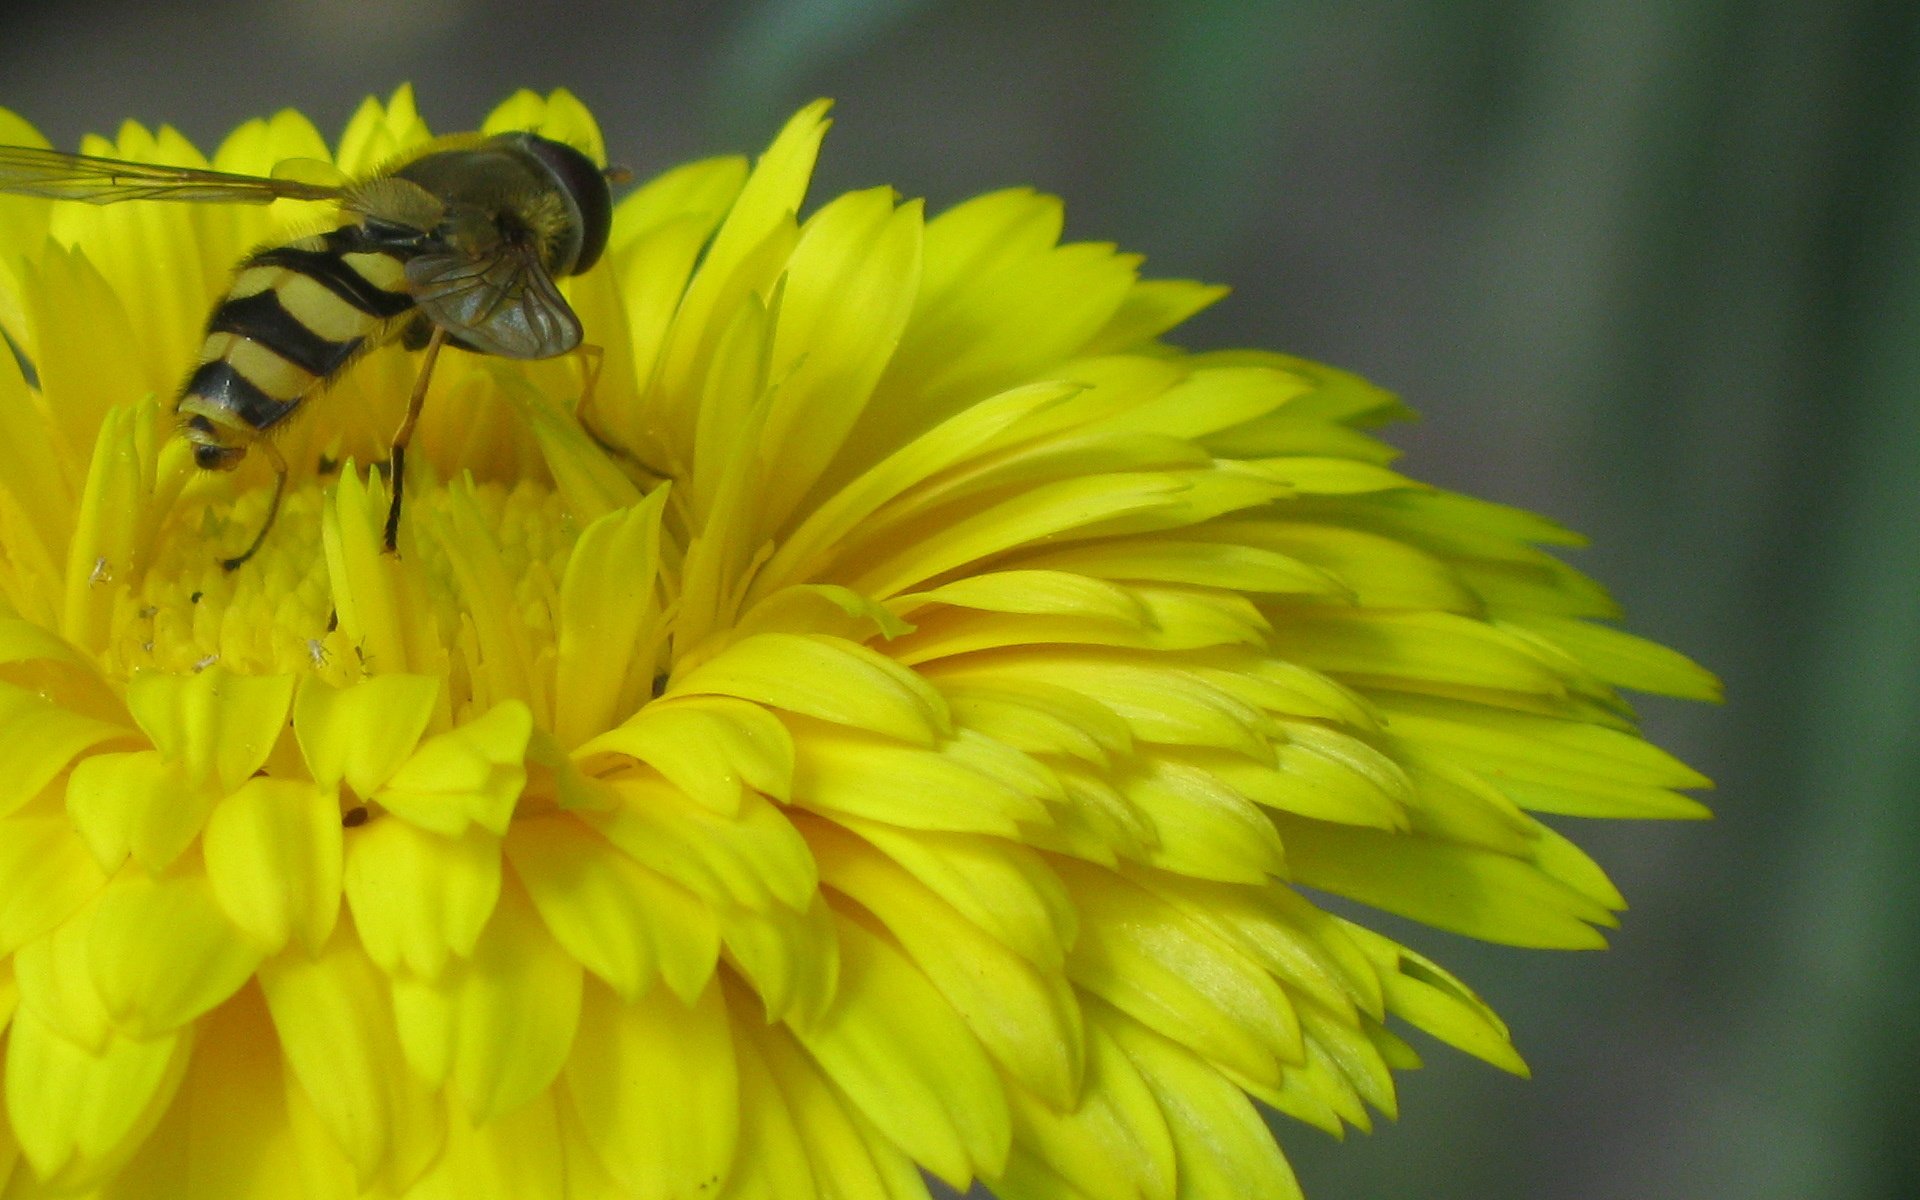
{"x":1652,"y":269}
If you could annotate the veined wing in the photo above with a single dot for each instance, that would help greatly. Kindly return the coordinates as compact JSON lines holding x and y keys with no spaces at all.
{"x":28,"y":171}
{"x":504,"y":304}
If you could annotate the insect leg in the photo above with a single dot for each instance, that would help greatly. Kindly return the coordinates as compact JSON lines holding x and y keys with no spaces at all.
{"x":397,"y":460}
{"x":273,"y":503}
{"x":593,"y":359}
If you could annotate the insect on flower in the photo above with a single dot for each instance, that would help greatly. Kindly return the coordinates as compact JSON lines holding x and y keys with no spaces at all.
{"x":458,"y":243}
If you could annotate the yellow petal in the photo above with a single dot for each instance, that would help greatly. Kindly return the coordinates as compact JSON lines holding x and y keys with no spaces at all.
{"x":24,"y":218}
{"x":1457,"y":805}
{"x":1095,"y":823}
{"x":37,"y":741}
{"x":360,"y":734}
{"x":1209,"y":400}
{"x":46,"y":874}
{"x":1151,"y":307}
{"x":1317,"y":475}
{"x":1158,"y":704}
{"x":226,"y":1132}
{"x":72,"y":309}
{"x":1000,"y":886}
{"x":1375,"y":571}
{"x":1433,"y":1000}
{"x":658,"y":234}
{"x":336,"y":1029}
{"x":273,"y":853}
{"x":55,"y":977}
{"x":39,"y":491}
{"x":954,"y":440}
{"x":855,"y":775}
{"x":500,"y":648}
{"x":704,"y":189}
{"x":134,"y":244}
{"x":255,"y":147}
{"x":521,"y":1157}
{"x":379,"y":132}
{"x":1466,"y":890}
{"x":1206,"y":828}
{"x":510,"y":1013}
{"x":771,"y":1162}
{"x":790,"y":959}
{"x":1562,"y":860}
{"x":138,"y":803}
{"x":1223,"y":1149}
{"x":9,"y":1150}
{"x":624,"y":923}
{"x":1054,"y":593}
{"x":1027,"y":1019}
{"x":420,"y":899}
{"x":1307,"y":782}
{"x":1625,"y":660}
{"x":163,"y":951}
{"x":900,"y":1053}
{"x":736,"y":262}
{"x":1317,"y":1093}
{"x":470,"y":775}
{"x":828,"y":678}
{"x":1551,"y":765}
{"x":846,"y":1149}
{"x":1078,"y":505}
{"x":423,"y":1016}
{"x":559,"y":115}
{"x":821,"y":608}
{"x":323,"y":1168}
{"x":380,"y":599}
{"x":589,"y":483}
{"x":1038,"y":718}
{"x":1210,"y":564}
{"x":654,"y":1084}
{"x":712,"y":749}
{"x":78,"y":1114}
{"x":1174,"y":975}
{"x":1112,"y":1142}
{"x":1417,"y":651}
{"x":754,"y":860}
{"x":1306,"y":949}
{"x":220,"y":726}
{"x":997,"y":306}
{"x":724,"y":478}
{"x":849,"y":286}
{"x":1362,"y":1069}
{"x":606,"y":599}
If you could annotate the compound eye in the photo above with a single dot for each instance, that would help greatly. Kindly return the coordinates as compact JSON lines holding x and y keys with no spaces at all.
{"x":587,"y":191}
{"x":217,"y":458}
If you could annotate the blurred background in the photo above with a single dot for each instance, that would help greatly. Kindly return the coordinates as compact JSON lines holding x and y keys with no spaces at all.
{"x":1652,"y":269}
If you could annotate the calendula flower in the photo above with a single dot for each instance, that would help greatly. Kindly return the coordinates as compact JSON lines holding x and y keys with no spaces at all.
{"x":885,"y":712}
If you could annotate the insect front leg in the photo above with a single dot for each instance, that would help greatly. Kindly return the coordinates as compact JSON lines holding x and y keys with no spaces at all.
{"x":398,"y":457}
{"x":593,"y":358}
{"x":279,"y":463}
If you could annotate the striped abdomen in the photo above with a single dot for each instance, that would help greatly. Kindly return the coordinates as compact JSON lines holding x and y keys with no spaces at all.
{"x":295,"y":316}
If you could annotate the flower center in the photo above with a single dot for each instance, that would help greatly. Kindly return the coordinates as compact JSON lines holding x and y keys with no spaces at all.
{"x":474,"y":555}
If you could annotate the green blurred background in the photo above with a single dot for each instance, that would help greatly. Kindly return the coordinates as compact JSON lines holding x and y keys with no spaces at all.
{"x":1650,"y":268}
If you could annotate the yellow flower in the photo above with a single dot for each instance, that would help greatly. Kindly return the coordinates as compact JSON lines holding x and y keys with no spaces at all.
{"x":901,"y":725}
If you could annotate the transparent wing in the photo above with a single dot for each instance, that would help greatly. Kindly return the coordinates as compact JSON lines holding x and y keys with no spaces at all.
{"x":27,"y":171}
{"x":505,"y":304}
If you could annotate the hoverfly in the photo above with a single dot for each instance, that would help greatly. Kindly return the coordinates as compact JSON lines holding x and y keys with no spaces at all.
{"x":459,"y":243}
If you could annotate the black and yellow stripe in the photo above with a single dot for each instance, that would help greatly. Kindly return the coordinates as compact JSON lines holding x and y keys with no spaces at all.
{"x":295,"y":316}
